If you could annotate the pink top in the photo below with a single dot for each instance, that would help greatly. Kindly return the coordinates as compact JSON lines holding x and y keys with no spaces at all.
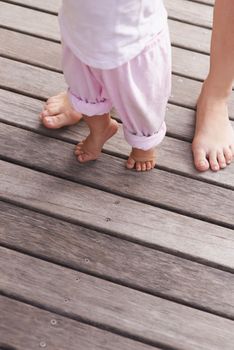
{"x":107,"y":33}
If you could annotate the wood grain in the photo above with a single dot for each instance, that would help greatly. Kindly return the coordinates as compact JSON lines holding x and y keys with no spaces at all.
{"x":108,"y":255}
{"x":18,"y":46}
{"x":164,"y":189}
{"x":109,"y":305}
{"x":124,"y":262}
{"x":28,"y":327}
{"x":173,"y":155}
{"x":18,"y":18}
{"x":49,"y":5}
{"x":77,"y":203}
{"x":190,"y":12}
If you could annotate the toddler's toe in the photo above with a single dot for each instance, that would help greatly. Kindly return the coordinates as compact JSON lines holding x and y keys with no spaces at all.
{"x":143,"y":166}
{"x":148,"y":166}
{"x":138,"y":166}
{"x":130,"y":163}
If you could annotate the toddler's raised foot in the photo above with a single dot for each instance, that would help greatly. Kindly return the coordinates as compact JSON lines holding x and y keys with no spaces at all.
{"x":90,"y":148}
{"x":58,"y":112}
{"x":141,"y":160}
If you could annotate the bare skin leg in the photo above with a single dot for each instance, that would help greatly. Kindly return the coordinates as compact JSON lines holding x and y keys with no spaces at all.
{"x":58,"y":112}
{"x":101,"y":129}
{"x":141,"y":160}
{"x":213,"y":143}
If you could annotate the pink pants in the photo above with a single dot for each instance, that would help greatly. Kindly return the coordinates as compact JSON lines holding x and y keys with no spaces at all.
{"x":139,"y":90}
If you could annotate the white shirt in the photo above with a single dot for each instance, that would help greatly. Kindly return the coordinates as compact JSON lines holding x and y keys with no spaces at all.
{"x":107,"y":33}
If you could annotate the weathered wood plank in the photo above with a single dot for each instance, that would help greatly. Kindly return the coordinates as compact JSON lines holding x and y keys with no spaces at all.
{"x":30,"y":49}
{"x":172,"y":191}
{"x":49,"y":5}
{"x":30,"y":80}
{"x":13,"y":106}
{"x":189,"y":63}
{"x":149,"y":318}
{"x":46,"y":26}
{"x":96,"y":253}
{"x":42,"y":83}
{"x":77,"y":203}
{"x":190,"y":37}
{"x":190,"y":12}
{"x":24,"y":327}
{"x":29,"y":21}
{"x":47,"y":54}
{"x":207,"y":2}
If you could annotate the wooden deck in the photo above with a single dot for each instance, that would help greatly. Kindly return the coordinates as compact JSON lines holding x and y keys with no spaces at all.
{"x":95,"y":257}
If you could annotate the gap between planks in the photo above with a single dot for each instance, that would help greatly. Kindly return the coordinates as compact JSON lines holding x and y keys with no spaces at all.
{"x":142,"y":268}
{"x":53,"y":330}
{"x":179,"y":162}
{"x":162,"y":228}
{"x":114,"y":307}
{"x":171,"y":191}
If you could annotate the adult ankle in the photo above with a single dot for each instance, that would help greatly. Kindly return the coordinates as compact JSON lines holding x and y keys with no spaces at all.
{"x":212,"y":88}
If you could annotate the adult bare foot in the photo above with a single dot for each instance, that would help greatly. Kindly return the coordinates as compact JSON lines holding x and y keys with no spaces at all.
{"x":58,"y":112}
{"x":101,"y":129}
{"x":141,"y":160}
{"x":213,"y":143}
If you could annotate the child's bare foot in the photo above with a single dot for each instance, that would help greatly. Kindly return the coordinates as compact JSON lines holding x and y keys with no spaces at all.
{"x":213,"y":143}
{"x":101,"y":129}
{"x":58,"y":112}
{"x":141,"y":160}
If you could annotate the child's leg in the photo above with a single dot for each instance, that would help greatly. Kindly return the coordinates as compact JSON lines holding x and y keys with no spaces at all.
{"x":58,"y":110}
{"x":85,"y":97}
{"x":213,"y":144}
{"x":101,"y":129}
{"x":139,"y":90}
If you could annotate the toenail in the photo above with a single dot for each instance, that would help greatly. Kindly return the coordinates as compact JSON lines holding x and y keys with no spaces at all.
{"x":49,"y":121}
{"x":202,"y":163}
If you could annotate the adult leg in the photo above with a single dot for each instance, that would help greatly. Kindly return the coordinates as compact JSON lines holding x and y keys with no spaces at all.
{"x":58,"y":110}
{"x":213,"y":144}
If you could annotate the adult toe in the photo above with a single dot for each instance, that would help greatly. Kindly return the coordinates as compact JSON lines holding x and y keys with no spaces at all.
{"x":228,"y":154}
{"x":221,"y":160}
{"x":200,"y":161}
{"x":213,"y":160}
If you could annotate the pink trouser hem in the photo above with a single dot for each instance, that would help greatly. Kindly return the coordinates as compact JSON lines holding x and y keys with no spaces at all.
{"x":87,"y":108}
{"x":145,"y":142}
